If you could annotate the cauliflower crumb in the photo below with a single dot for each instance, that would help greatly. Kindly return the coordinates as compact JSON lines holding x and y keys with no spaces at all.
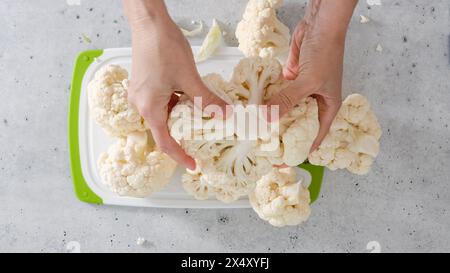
{"x":379,"y":48}
{"x":373,"y":2}
{"x":364,"y":19}
{"x":140,"y":241}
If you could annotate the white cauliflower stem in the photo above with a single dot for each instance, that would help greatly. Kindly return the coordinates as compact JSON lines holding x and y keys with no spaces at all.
{"x":108,"y":103}
{"x":353,"y":140}
{"x":132,"y":166}
{"x":260,"y":33}
{"x":280,"y":199}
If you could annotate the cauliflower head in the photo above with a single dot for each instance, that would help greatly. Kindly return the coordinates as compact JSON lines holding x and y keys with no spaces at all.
{"x":234,"y":163}
{"x":108,"y":102}
{"x":260,"y":33}
{"x":280,"y":199}
{"x":353,"y":141}
{"x":133,"y":167}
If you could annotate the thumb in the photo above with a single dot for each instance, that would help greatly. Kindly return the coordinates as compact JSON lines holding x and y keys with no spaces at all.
{"x":156,"y":118}
{"x":327,"y":112}
{"x":288,"y":98}
{"x":290,"y":71}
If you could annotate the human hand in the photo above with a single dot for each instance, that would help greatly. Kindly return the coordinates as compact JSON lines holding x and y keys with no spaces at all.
{"x":315,"y":64}
{"x":162,"y":63}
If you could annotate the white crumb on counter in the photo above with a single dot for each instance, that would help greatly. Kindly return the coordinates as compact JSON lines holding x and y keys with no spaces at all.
{"x":140,"y":241}
{"x":379,"y":48}
{"x":373,"y":2}
{"x":364,"y":19}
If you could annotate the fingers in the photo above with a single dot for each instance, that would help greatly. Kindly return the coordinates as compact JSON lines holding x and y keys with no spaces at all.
{"x":290,"y":71}
{"x":210,"y":102}
{"x":282,"y":166}
{"x":174,"y":98}
{"x":288,"y":98}
{"x":327,"y":112}
{"x":156,"y":117}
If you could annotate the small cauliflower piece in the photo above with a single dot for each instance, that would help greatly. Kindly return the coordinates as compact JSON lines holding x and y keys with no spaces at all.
{"x":132,"y":166}
{"x":260,"y":33}
{"x":281,"y":200}
{"x":353,"y":141}
{"x":211,"y":43}
{"x":108,"y":102}
{"x":194,"y":32}
{"x":140,"y":241}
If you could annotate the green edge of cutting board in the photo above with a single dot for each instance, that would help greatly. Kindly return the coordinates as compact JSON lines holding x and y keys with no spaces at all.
{"x":316,"y":179}
{"x":82,"y":190}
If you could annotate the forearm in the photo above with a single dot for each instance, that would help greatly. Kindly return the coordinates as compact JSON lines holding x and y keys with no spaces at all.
{"x":141,"y":12}
{"x":330,"y":17}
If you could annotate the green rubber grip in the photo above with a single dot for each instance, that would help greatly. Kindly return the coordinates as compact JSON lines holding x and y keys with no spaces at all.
{"x":316,"y":179}
{"x":82,"y":190}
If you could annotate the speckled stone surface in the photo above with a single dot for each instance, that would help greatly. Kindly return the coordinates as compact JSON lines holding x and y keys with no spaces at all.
{"x":403,"y":203}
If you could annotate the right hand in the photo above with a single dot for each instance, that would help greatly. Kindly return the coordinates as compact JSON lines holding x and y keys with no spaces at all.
{"x":162,"y":62}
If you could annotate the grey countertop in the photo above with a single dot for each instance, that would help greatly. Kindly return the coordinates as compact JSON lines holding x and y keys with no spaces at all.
{"x":403,"y":204}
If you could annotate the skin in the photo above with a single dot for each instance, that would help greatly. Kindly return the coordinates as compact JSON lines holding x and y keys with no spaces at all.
{"x":315,"y":61}
{"x":162,"y":63}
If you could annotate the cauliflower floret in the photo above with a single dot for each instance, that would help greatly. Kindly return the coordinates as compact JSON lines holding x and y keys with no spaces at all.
{"x":108,"y":103}
{"x":353,"y":140}
{"x":260,"y":33}
{"x":279,"y":199}
{"x":195,"y":183}
{"x":253,"y":76}
{"x":132,"y":167}
{"x":299,"y":137}
{"x":297,"y":130}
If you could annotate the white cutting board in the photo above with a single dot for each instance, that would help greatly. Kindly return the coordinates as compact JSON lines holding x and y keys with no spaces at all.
{"x":93,"y":141}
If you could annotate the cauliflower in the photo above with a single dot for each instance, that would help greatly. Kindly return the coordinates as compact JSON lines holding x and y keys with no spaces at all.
{"x":279,"y":199}
{"x":195,"y":183}
{"x":132,"y":167}
{"x":233,"y":163}
{"x":300,"y":135}
{"x":260,"y":33}
{"x":353,"y":140}
{"x":108,"y":103}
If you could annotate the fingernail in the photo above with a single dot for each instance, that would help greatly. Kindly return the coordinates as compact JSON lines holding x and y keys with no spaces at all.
{"x":191,"y":165}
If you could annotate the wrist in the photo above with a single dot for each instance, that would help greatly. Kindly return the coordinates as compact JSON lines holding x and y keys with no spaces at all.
{"x":329,"y":19}
{"x":145,"y":13}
